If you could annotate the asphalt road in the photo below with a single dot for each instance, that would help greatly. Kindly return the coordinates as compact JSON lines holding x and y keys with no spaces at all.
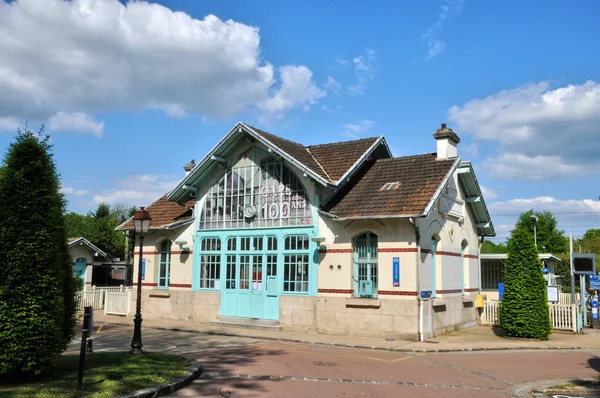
{"x":244,"y":367}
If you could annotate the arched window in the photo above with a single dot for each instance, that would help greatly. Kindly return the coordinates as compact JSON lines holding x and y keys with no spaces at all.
{"x":79,"y":267}
{"x":434,"y":244}
{"x":366,"y":264}
{"x":262,"y":192}
{"x":463,"y":251}
{"x":164,"y":263}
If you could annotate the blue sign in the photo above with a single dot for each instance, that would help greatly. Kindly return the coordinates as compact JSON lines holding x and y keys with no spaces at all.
{"x":594,"y":308}
{"x":425,"y":293}
{"x":143,"y":268}
{"x":595,"y":282}
{"x":545,"y":270}
{"x":500,"y":291}
{"x":396,"y":262}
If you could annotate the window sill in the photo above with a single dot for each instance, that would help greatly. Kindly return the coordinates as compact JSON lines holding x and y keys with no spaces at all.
{"x":467,"y":299}
{"x":160,"y":293}
{"x":363,"y":302}
{"x":438,"y":302}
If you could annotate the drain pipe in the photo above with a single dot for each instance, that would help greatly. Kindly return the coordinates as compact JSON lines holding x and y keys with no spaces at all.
{"x":418,"y":263}
{"x":479,"y":261}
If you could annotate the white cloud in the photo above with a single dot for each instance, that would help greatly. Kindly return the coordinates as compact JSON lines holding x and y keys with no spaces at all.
{"x":431,"y":35}
{"x":542,"y":132}
{"x":364,"y":67}
{"x":488,"y":193}
{"x":335,"y":109}
{"x":137,"y":190}
{"x":297,"y":87}
{"x":92,"y":57}
{"x":333,"y":85}
{"x":9,"y":124}
{"x":77,"y":123}
{"x":471,"y":149}
{"x":73,"y":191}
{"x":572,"y":215}
{"x":355,"y":130}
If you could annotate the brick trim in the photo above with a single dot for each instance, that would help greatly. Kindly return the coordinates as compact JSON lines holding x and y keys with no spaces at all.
{"x":187,"y":285}
{"x":399,"y":250}
{"x":475,"y":256}
{"x":449,"y":291}
{"x":146,"y":284}
{"x":396,"y":293}
{"x":381,"y":292}
{"x":156,"y":253}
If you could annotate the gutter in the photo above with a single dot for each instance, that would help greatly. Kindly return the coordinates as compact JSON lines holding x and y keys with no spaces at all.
{"x":336,"y":218}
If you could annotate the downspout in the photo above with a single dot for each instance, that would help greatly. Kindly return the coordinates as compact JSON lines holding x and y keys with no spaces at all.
{"x":418,"y":263}
{"x":479,"y":261}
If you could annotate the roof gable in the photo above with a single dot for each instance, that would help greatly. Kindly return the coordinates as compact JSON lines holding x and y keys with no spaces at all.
{"x":72,"y":242}
{"x":419,"y":179}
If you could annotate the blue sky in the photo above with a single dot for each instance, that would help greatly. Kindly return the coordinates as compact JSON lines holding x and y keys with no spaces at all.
{"x":130,"y":92}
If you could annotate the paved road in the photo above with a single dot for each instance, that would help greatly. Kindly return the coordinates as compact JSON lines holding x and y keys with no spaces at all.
{"x":243,"y":367}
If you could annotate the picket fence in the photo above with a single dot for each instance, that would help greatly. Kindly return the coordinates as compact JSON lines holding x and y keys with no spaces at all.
{"x":117,"y":303}
{"x":113,"y":299}
{"x":561,"y":315}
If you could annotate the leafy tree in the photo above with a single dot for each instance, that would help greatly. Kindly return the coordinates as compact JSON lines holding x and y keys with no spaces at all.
{"x":549,"y":238}
{"x":524,"y":308}
{"x":37,"y":286}
{"x":491,"y":247}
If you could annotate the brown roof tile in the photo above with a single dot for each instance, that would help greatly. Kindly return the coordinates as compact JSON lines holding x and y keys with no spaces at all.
{"x":297,"y":151}
{"x":419,"y":177}
{"x":164,"y":212}
{"x":337,"y":158}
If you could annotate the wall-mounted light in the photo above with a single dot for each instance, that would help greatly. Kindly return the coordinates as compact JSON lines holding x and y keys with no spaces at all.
{"x":319,"y":241}
{"x":182,"y":243}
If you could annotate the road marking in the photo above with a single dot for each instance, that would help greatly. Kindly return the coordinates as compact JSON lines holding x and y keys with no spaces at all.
{"x":100,"y":328}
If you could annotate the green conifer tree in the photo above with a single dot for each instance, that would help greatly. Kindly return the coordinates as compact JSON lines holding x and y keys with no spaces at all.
{"x":524,"y":308}
{"x":37,"y":286}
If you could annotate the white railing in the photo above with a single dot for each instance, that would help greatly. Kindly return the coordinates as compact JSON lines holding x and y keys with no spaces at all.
{"x":561,"y":316}
{"x":90,"y":298}
{"x":117,"y":303}
{"x":564,"y":298}
{"x":489,"y":316}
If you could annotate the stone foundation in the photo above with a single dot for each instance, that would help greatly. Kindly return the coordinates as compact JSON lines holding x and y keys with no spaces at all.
{"x":178,"y":305}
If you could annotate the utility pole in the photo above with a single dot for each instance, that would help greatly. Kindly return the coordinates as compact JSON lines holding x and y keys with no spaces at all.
{"x":571,"y":264}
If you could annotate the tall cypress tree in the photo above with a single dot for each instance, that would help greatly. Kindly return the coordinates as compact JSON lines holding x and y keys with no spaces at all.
{"x":37,"y":287}
{"x":524,"y":308}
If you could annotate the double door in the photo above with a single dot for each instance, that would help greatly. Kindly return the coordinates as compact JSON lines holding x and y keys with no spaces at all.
{"x":251,"y":286}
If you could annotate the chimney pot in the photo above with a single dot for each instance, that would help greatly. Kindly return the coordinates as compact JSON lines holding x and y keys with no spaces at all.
{"x":446,"y":142}
{"x":443,"y":126}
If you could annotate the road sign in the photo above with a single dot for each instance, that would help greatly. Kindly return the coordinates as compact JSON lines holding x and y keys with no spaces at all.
{"x":595,"y":282}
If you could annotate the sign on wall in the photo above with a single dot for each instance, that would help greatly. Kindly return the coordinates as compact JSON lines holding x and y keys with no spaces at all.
{"x":553,"y":294}
{"x":396,"y":271}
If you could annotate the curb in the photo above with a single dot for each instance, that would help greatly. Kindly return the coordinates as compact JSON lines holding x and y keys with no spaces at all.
{"x":392,"y":349}
{"x":178,"y":383}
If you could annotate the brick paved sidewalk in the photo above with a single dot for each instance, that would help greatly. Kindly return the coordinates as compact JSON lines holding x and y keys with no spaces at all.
{"x":481,"y":338}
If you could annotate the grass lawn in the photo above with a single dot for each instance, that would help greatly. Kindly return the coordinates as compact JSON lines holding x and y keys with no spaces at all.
{"x":106,"y":375}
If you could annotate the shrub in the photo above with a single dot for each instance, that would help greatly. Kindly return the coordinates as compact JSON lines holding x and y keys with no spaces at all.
{"x":37,"y":289}
{"x":524,"y":310}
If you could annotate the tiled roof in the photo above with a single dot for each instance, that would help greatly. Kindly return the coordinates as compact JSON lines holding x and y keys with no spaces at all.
{"x":337,"y":158}
{"x":419,"y":177}
{"x":330,"y":161}
{"x":164,"y":212}
{"x":297,"y":151}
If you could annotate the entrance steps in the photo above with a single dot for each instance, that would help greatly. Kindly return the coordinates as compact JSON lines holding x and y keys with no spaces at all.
{"x":247,"y":323}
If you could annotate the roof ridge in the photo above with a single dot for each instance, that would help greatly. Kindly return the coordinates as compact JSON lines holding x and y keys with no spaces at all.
{"x":410,"y":156}
{"x":343,"y":142}
{"x":319,"y":163}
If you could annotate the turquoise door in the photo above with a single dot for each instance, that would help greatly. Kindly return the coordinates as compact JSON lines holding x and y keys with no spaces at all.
{"x":256,"y":289}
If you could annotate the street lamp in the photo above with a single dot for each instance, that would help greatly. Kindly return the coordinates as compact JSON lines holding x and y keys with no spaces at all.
{"x":141,"y":224}
{"x":535,"y":219}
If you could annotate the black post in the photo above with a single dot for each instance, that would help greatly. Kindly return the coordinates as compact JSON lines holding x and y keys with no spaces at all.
{"x":84,"y":335}
{"x":136,"y":343}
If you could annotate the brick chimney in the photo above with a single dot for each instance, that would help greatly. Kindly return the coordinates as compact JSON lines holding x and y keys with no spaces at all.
{"x":446,"y":142}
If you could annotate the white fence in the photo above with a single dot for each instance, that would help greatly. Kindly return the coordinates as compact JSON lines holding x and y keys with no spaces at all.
{"x":561,"y":316}
{"x":90,"y":298}
{"x":98,"y":296}
{"x":564,"y":298}
{"x":117,"y":303}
